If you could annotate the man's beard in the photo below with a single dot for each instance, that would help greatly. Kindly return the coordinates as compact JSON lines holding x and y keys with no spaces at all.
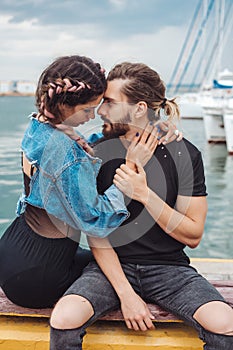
{"x":116,"y":129}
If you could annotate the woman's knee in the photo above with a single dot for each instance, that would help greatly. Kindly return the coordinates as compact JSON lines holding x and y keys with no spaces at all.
{"x":71,"y":311}
{"x":216,"y":317}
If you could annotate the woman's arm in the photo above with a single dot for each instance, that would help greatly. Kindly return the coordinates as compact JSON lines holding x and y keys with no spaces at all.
{"x":185,"y":223}
{"x":94,"y":214}
{"x":135,"y":311}
{"x":68,"y":189}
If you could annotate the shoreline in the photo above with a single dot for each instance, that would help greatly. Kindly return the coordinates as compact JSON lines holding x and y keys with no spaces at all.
{"x":16,"y":94}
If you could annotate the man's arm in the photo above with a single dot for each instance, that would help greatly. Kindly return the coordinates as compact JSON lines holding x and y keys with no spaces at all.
{"x":135,"y":311}
{"x":185,"y":223}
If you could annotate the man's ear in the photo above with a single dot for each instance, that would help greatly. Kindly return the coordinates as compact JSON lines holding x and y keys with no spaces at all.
{"x":141,"y":109}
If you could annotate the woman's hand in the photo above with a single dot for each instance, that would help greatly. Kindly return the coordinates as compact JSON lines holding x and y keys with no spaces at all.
{"x":142,"y":146}
{"x":132,"y":183}
{"x":168,"y":133}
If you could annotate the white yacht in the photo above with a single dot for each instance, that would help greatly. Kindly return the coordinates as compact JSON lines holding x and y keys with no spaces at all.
{"x":214,"y":101}
{"x":228,"y":124}
{"x":190,"y":106}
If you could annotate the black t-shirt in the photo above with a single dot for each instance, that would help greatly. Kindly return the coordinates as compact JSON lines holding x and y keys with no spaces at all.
{"x":175,"y":169}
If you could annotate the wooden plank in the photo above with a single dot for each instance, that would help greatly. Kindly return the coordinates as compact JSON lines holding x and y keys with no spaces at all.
{"x":21,"y":333}
{"x":7,"y":308}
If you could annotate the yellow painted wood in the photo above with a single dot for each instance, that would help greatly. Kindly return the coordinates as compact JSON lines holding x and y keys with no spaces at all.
{"x":15,"y":314}
{"x":210,"y":260}
{"x":21,"y":333}
{"x":32,"y":333}
{"x":115,"y":336}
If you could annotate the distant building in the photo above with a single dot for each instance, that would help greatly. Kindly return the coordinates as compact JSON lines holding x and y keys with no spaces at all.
{"x":17,"y":87}
{"x":25,"y":87}
{"x":13,"y":87}
{"x":5,"y":86}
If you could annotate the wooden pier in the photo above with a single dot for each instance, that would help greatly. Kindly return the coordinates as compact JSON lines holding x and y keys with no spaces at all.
{"x":22,"y":328}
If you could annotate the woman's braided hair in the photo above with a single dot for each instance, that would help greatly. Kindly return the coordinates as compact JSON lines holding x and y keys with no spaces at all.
{"x":71,"y":81}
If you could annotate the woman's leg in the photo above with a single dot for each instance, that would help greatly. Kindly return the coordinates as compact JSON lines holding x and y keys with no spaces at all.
{"x":41,"y":269}
{"x":81,"y":259}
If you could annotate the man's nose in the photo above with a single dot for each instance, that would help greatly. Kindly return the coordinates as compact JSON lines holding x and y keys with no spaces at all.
{"x":101,"y":109}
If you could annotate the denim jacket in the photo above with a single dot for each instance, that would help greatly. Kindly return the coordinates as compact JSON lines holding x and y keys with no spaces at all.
{"x":64,"y":183}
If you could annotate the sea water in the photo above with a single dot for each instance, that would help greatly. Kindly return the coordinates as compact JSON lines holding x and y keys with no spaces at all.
{"x":217,"y":241}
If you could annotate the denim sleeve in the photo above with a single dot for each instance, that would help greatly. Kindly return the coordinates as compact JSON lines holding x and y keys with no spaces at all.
{"x":83,"y":208}
{"x":116,"y":197}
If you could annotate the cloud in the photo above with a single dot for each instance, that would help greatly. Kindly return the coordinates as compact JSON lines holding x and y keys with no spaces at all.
{"x":113,"y":14}
{"x":119,"y":4}
{"x":34,"y":32}
{"x":36,"y":45}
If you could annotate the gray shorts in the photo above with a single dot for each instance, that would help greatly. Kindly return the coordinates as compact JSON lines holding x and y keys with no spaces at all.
{"x":178,"y":289}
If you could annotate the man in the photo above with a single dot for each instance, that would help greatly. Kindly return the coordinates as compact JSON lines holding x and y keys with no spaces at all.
{"x":168,"y":212}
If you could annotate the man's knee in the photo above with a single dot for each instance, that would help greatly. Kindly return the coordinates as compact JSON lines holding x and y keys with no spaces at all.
{"x":216,"y":317}
{"x":216,"y":341}
{"x":71,"y":311}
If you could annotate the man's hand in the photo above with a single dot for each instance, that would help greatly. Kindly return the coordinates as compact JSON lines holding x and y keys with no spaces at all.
{"x":132,"y":183}
{"x":136,"y":313}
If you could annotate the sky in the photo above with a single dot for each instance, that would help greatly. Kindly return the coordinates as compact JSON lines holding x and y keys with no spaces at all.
{"x":35,"y":32}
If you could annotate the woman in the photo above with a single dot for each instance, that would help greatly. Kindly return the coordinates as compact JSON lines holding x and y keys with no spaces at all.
{"x":38,"y":252}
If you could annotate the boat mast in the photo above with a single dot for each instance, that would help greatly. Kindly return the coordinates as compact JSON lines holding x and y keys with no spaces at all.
{"x":220,"y":11}
{"x":182,"y":69}
{"x":182,"y":56}
{"x":213,"y":64}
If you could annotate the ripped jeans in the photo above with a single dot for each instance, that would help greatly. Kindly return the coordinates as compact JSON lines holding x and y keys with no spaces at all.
{"x":177,"y":289}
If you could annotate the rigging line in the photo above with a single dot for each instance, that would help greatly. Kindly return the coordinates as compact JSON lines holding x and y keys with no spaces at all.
{"x":221,"y":12}
{"x":201,"y":59}
{"x":227,"y":27}
{"x":185,"y":43}
{"x":182,"y":63}
{"x":195,"y":44}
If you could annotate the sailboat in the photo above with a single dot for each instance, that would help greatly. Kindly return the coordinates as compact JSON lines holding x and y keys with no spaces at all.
{"x":190,"y":106}
{"x":228,"y":123}
{"x":215,"y":100}
{"x":215,"y":92}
